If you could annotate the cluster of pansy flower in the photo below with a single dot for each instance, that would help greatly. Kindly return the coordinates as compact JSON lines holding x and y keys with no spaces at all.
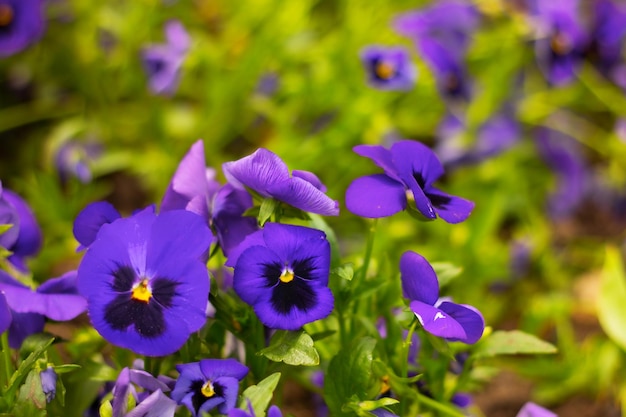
{"x":561,"y":38}
{"x":145,"y":280}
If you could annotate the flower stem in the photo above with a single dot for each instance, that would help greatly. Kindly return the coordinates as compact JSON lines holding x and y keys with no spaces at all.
{"x":368,"y":249}
{"x":6,"y":358}
{"x":407,"y":349}
{"x":435,"y":405}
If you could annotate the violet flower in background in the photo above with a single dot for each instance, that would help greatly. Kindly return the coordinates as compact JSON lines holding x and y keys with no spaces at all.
{"x":145,"y":281}
{"x":57,"y":299}
{"x":563,"y":155}
{"x":561,"y":40}
{"x":410,"y":170}
{"x":193,"y":187}
{"x":442,"y":33}
{"x":266,"y":174}
{"x":24,"y":239}
{"x":388,"y":68}
{"x":21,"y":24}
{"x":607,"y":39}
{"x":73,"y":158}
{"x":445,"y":319}
{"x":493,"y":137}
{"x":163,"y":62}
{"x":533,"y":410}
{"x":208,"y":384}
{"x":282,"y":271}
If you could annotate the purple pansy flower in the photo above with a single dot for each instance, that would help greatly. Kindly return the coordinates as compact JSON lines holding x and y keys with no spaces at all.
{"x":445,"y":319}
{"x":442,"y":33}
{"x":383,"y":412}
{"x":21,"y":24}
{"x":388,"y":68}
{"x":5,"y":314}
{"x":273,"y":411}
{"x":533,"y":410}
{"x":496,"y":135}
{"x":410,"y":168}
{"x":210,"y":383}
{"x":24,"y":238}
{"x":561,"y":40}
{"x":145,"y":281}
{"x":151,"y":402}
{"x":266,"y":174}
{"x":282,"y":271}
{"x":194,"y":188}
{"x":89,"y":221}
{"x":163,"y":62}
{"x":564,"y":156}
{"x":73,"y":159}
{"x":57,"y":299}
{"x":608,"y":35}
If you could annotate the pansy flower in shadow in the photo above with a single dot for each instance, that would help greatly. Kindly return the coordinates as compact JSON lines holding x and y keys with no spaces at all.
{"x":561,"y":40}
{"x":21,"y":24}
{"x":531,"y":409}
{"x":607,"y":39}
{"x":151,"y":402}
{"x":266,"y":174}
{"x":145,"y":281}
{"x":564,"y":156}
{"x":208,"y":384}
{"x":194,"y":188}
{"x":494,"y":136}
{"x":163,"y":62}
{"x":410,"y":168}
{"x":56,"y":299}
{"x":282,"y":271}
{"x":273,"y":411}
{"x":445,"y":319}
{"x":73,"y":159}
{"x":442,"y":34}
{"x":24,"y":238}
{"x":388,"y":68}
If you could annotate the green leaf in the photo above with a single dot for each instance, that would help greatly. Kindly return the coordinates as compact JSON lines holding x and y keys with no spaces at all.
{"x":5,"y":227}
{"x":611,"y":306}
{"x":268,"y":206}
{"x":26,"y":366}
{"x":446,"y":272}
{"x":63,"y":369}
{"x":260,"y":395}
{"x":106,"y":410}
{"x":293,"y":348}
{"x":514,"y":342}
{"x":373,"y":405}
{"x":31,"y":400}
{"x":349,"y":375}
{"x":344,"y":271}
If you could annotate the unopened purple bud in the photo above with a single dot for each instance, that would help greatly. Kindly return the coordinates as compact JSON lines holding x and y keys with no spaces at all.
{"x":49,"y":383}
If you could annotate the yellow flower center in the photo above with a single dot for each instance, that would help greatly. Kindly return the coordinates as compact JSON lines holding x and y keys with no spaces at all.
{"x":385,"y":70}
{"x":560,"y":44}
{"x":287,"y":275}
{"x":6,"y":15}
{"x":207,"y":389}
{"x":142,"y":291}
